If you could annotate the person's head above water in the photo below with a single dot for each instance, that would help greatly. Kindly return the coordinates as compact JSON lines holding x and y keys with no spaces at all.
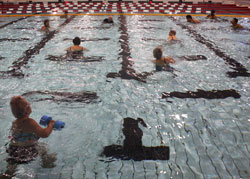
{"x":157,"y":53}
{"x":172,"y":32}
{"x":110,"y":19}
{"x":76,"y":41}
{"x":212,"y":12}
{"x":235,"y":21}
{"x":189,"y":18}
{"x":46,"y":23}
{"x":20,"y":107}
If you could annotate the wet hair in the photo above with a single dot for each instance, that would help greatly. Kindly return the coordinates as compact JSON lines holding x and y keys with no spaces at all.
{"x":157,"y":53}
{"x":19,"y":106}
{"x":189,"y":17}
{"x":65,"y":12}
{"x":236,"y":20}
{"x":212,"y":12}
{"x":173,"y":32}
{"x":45,"y":22}
{"x":76,"y":41}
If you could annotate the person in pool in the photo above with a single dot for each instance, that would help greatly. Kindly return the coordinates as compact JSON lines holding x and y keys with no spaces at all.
{"x":24,"y":135}
{"x":172,"y":35}
{"x":76,"y":51}
{"x":65,"y":15}
{"x":160,"y":61}
{"x":235,"y":24}
{"x":76,"y":47}
{"x":212,"y":15}
{"x":108,"y":20}
{"x":192,"y":20}
{"x":25,"y":131}
{"x":46,"y":25}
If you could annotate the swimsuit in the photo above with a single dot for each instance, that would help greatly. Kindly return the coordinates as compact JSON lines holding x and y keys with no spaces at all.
{"x":107,"y":21}
{"x":26,"y":152}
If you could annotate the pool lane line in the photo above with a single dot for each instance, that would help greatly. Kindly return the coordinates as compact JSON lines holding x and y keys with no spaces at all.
{"x":13,"y":40}
{"x":127,"y":72}
{"x":214,"y":94}
{"x":15,"y":69}
{"x":128,"y":14}
{"x":57,"y":96}
{"x":12,"y":22}
{"x":88,"y":39}
{"x":239,"y":69}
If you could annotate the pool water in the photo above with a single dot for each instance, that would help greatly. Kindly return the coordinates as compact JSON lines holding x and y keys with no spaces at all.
{"x":208,"y":138}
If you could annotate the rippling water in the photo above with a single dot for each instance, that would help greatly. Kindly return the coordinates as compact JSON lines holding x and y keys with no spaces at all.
{"x":208,"y":136}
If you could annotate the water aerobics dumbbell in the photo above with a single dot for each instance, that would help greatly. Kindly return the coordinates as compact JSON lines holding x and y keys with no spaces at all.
{"x":45,"y":121}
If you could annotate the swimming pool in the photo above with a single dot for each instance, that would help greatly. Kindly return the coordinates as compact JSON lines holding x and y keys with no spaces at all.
{"x":207,"y":131}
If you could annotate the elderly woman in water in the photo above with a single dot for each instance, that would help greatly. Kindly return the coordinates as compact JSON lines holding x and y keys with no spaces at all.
{"x":25,"y":132}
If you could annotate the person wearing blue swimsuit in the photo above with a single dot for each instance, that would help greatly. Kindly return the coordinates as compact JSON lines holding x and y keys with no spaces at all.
{"x":161,"y":63}
{"x":24,"y":135}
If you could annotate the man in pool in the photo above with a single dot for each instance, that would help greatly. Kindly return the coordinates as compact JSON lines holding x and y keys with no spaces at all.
{"x":46,"y":25}
{"x":161,"y":63}
{"x":192,"y":20}
{"x":76,"y":51}
{"x":172,"y":35}
{"x":65,"y":15}
{"x":212,"y":15}
{"x":235,"y":24}
{"x":108,"y":20}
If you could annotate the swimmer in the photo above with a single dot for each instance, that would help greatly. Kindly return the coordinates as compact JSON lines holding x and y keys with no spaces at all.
{"x":108,"y":20}
{"x":212,"y":15}
{"x":25,"y":131}
{"x":235,"y":24}
{"x":46,"y":25}
{"x":65,"y":15}
{"x":76,"y":47}
{"x":192,"y":20}
{"x":172,"y":36}
{"x":160,"y":61}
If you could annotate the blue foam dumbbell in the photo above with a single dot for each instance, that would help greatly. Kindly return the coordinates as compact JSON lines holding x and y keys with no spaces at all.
{"x":45,"y":120}
{"x":59,"y":125}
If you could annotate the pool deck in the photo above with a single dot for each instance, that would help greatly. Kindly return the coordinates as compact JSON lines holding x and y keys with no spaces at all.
{"x":127,"y":8}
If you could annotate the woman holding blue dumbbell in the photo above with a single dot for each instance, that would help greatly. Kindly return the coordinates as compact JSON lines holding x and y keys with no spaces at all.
{"x":25,"y":133}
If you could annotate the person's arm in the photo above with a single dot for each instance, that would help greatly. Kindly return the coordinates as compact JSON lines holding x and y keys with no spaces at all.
{"x":39,"y":131}
{"x":169,"y":38}
{"x":197,"y":21}
{"x":84,"y":49}
{"x":68,"y":49}
{"x":169,"y":60}
{"x":174,"y":37}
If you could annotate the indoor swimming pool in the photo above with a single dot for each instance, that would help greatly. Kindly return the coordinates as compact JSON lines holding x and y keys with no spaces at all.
{"x":200,"y":109}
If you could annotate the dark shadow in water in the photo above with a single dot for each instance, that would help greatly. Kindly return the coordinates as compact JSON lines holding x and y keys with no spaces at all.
{"x":127,"y":72}
{"x":239,"y":69}
{"x":214,"y":94}
{"x":153,"y":39}
{"x":12,"y":22}
{"x":75,"y":58}
{"x":99,"y":27}
{"x":132,"y":147}
{"x":92,"y":39}
{"x":13,"y":40}
{"x":193,"y":58}
{"x":15,"y":69}
{"x":24,"y":28}
{"x":151,"y":20}
{"x":1,"y":58}
{"x":149,"y":28}
{"x":82,"y":97}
